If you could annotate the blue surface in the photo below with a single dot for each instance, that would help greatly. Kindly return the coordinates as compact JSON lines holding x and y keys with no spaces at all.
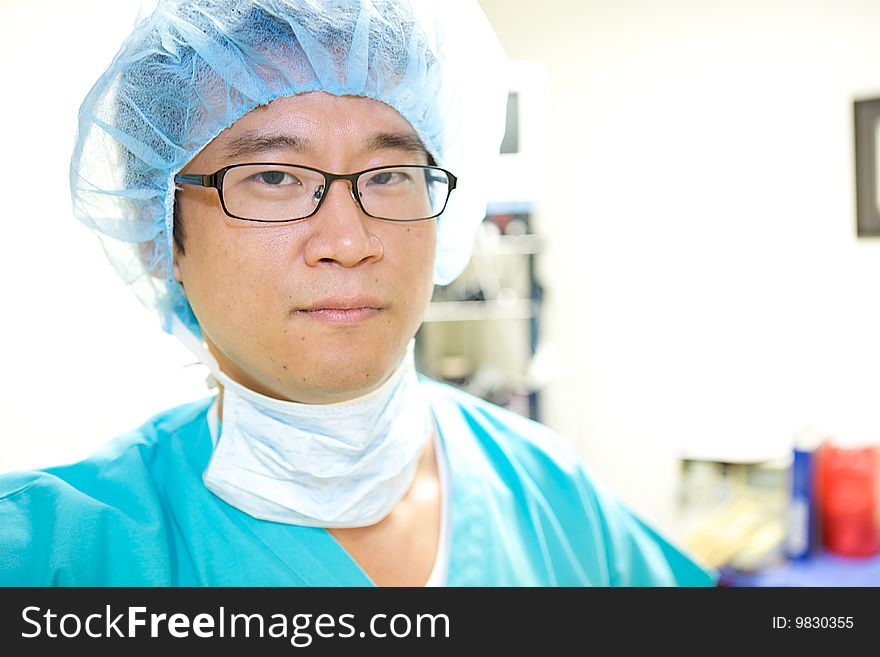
{"x":823,"y":570}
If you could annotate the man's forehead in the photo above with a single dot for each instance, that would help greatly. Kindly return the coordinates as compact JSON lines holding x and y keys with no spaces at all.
{"x":298,"y":123}
{"x":254,"y":141}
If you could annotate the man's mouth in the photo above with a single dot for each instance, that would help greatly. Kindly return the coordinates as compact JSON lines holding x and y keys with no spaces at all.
{"x":343,"y":311}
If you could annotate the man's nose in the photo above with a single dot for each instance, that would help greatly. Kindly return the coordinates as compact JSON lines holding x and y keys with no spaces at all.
{"x":340,"y":231}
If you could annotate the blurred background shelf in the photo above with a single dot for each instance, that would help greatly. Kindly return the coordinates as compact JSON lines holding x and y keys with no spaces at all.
{"x":481,"y":332}
{"x":511,"y":245}
{"x":467,"y":311}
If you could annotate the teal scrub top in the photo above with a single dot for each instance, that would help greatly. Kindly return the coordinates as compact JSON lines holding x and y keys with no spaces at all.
{"x":523,"y":513}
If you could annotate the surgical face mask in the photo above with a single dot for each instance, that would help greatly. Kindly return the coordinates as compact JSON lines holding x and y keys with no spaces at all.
{"x":337,"y":465}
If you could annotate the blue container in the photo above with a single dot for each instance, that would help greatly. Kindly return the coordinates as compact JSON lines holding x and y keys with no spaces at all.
{"x":804,"y":538}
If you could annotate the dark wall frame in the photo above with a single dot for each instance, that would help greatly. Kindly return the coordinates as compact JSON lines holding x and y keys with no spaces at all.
{"x":866,"y":119}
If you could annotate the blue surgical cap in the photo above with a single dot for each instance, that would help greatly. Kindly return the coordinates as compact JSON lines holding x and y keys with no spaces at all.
{"x":194,"y":67}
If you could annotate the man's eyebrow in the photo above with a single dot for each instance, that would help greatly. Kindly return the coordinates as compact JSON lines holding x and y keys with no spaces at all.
{"x":251,"y":142}
{"x":403,"y":141}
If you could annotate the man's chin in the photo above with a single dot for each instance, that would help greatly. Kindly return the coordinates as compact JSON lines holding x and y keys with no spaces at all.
{"x":341,"y":377}
{"x":335,"y":391}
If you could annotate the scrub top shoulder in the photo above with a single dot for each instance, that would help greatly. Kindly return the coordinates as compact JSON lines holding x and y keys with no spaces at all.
{"x":527,"y":513}
{"x":523,"y":510}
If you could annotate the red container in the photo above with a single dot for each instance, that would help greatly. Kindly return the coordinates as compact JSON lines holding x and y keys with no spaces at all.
{"x":849,"y":494}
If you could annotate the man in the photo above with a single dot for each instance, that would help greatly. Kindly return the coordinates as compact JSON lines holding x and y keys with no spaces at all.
{"x":283,"y":182}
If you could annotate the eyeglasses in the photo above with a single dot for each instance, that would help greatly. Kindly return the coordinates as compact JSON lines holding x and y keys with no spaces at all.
{"x":272,"y":192}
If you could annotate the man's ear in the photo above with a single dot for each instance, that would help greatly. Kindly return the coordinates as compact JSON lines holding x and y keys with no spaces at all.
{"x":175,"y":264}
{"x":177,"y":250}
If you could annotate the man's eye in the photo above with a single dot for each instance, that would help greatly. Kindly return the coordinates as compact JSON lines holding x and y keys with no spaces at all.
{"x":387,"y":178}
{"x":276,"y":178}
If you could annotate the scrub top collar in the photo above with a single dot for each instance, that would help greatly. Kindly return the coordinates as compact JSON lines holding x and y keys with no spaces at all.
{"x":340,"y":565}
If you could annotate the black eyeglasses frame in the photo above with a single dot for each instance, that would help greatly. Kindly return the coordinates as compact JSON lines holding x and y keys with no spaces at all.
{"x":215,"y":180}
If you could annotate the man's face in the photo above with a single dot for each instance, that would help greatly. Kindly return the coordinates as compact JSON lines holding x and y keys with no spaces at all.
{"x":254,"y":287}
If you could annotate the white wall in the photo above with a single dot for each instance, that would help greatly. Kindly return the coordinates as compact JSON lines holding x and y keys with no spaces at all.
{"x":81,"y":360}
{"x":705,"y":286}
